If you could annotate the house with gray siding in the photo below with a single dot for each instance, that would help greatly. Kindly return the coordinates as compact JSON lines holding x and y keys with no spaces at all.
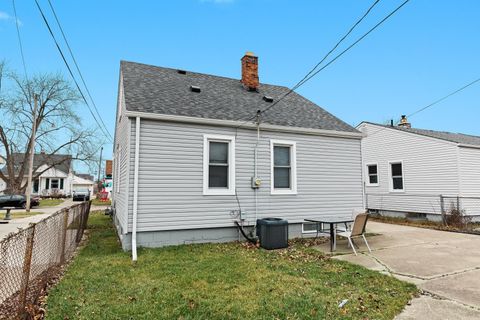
{"x":418,"y":172}
{"x":193,"y":155}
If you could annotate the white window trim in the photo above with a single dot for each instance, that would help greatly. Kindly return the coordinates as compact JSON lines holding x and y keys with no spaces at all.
{"x":231,"y":165}
{"x":390,"y":177}
{"x":293,"y":172}
{"x":367,"y":175}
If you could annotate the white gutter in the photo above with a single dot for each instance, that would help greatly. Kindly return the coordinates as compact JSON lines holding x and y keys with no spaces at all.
{"x":245,"y":125}
{"x":135,"y":190}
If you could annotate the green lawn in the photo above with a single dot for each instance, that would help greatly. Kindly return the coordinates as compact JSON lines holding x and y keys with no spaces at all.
{"x":97,"y":202}
{"x":218,"y":281}
{"x":50,"y":202}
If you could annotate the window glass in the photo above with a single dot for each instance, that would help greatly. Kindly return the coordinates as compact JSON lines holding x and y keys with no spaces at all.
{"x":372,"y":174}
{"x":396,"y":169}
{"x":218,"y":165}
{"x":281,"y":167}
{"x":54,"y":184}
{"x":397,"y":176}
{"x":281,"y":156}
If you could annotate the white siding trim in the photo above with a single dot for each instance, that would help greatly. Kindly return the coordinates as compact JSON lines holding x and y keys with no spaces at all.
{"x":293,"y":172}
{"x":243,"y":124}
{"x":135,"y":190}
{"x":231,"y":165}
{"x":390,"y":178}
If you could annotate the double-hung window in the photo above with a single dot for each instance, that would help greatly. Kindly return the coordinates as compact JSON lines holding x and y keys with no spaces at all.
{"x":372,"y":174}
{"x":396,"y":176}
{"x":218,"y":165}
{"x":283,"y":167}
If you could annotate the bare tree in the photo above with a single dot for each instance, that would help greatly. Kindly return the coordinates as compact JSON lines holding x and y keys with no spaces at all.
{"x":59,"y":127}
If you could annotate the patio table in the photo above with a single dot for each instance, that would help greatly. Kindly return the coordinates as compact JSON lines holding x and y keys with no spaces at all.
{"x":332,"y":221}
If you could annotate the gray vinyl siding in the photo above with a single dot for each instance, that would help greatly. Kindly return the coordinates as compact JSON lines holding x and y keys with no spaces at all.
{"x":470,"y":180}
{"x":470,"y":171}
{"x":430,"y":169}
{"x":170,"y":193}
{"x":121,"y":164}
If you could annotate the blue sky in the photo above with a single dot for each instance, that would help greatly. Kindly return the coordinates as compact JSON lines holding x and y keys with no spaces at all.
{"x":425,"y":51}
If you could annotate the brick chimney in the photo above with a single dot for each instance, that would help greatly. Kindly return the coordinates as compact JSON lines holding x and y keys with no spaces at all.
{"x":404,"y":122}
{"x":250,"y":71}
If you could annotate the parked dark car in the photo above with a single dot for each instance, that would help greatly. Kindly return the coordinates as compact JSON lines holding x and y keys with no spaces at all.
{"x":81,"y":195}
{"x":18,"y":201}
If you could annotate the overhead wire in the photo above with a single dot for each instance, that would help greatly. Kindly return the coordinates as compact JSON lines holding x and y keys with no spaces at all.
{"x":78,"y":68}
{"x":104,"y":132}
{"x":19,"y":40}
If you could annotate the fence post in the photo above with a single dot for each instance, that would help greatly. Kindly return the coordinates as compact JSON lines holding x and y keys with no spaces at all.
{"x":442,"y":208}
{"x":27,"y":263}
{"x":458,"y":203}
{"x":64,"y":235}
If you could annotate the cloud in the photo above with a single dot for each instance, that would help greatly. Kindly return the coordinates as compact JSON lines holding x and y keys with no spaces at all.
{"x":6,"y":17}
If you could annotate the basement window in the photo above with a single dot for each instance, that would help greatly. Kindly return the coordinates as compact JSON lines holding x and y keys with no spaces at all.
{"x":218,"y":165}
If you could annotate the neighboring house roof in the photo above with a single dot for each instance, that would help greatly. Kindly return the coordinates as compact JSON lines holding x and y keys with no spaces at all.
{"x":86,"y":176}
{"x":165,"y":91}
{"x":82,"y":181}
{"x":61,"y":162}
{"x":442,"y":135}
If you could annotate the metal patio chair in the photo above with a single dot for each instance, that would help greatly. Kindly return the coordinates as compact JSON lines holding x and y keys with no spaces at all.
{"x":358,"y":230}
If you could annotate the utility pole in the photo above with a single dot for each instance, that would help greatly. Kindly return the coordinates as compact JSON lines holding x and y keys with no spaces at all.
{"x":99,"y":168}
{"x":32,"y":152}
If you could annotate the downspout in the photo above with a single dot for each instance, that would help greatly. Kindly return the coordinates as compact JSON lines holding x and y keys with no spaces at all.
{"x":135,"y":189}
{"x":255,"y":166}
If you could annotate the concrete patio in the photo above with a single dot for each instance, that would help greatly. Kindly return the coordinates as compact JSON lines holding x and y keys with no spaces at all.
{"x":444,"y":265}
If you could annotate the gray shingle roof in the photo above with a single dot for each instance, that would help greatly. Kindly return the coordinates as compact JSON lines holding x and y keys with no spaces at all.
{"x":442,"y":135}
{"x":165,"y":91}
{"x":61,"y":162}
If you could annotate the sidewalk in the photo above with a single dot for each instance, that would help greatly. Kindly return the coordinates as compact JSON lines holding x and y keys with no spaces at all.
{"x":15,"y":224}
{"x":445,"y":266}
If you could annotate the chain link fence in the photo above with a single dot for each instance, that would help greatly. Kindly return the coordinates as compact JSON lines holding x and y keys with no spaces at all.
{"x":31,"y":259}
{"x":433,"y":205}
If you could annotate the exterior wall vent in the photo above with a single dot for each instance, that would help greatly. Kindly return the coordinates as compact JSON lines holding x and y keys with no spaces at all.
{"x":182,"y":71}
{"x":268,"y":99}
{"x":195,"y":89}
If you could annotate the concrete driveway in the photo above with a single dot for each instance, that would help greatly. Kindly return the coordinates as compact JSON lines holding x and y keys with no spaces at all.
{"x":15,"y":224}
{"x":444,"y":265}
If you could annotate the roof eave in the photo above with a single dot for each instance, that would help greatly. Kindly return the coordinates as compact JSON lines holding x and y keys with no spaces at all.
{"x":243,"y":124}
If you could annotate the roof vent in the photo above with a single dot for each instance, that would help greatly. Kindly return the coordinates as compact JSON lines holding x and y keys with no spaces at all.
{"x":195,"y":89}
{"x":181,"y":71}
{"x":267,"y":99}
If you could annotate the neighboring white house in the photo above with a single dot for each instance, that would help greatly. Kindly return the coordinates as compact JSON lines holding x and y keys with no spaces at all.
{"x":57,"y":177}
{"x":419,"y":172}
{"x":81,"y":183}
{"x":189,"y":161}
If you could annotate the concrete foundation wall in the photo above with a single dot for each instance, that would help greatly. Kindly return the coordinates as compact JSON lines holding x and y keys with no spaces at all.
{"x":425,"y":216}
{"x":153,"y":239}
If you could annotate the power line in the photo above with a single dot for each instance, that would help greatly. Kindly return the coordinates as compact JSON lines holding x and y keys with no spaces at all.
{"x":77,"y":67}
{"x":344,"y":51}
{"x":433,"y":103}
{"x":106,"y":133}
{"x":444,"y":98}
{"x":312,"y":74}
{"x":19,"y":39}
